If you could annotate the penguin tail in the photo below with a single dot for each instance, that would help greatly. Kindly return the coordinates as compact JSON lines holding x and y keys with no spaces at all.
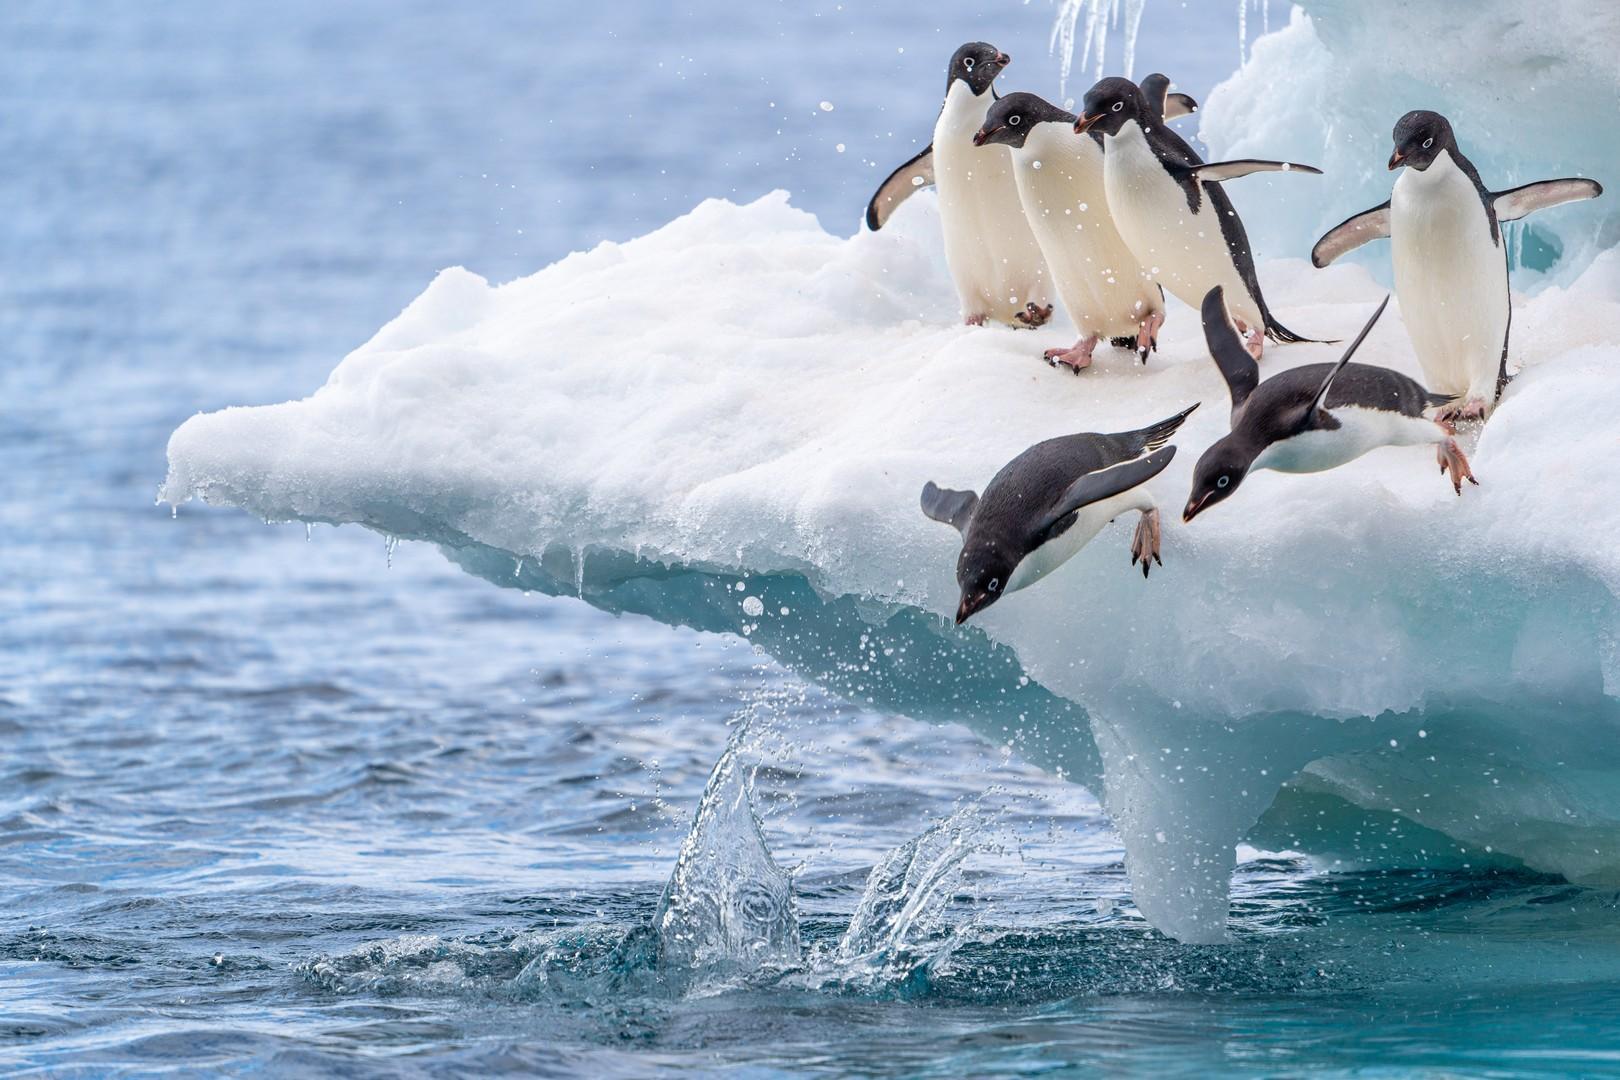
{"x":1432,"y":400}
{"x":1156,"y":435}
{"x":1125,"y":342}
{"x":1279,"y":333}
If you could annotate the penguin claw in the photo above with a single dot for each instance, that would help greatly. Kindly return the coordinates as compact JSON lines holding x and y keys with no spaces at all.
{"x":1147,"y":335}
{"x":1076,"y":359}
{"x":1033,"y":316}
{"x":1473,"y":410}
{"x":1451,"y":458}
{"x":1145,"y":543}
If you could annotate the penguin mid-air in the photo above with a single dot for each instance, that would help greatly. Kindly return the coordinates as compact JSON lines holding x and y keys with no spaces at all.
{"x":992,"y":256}
{"x":1060,"y":184}
{"x":1169,"y":207}
{"x":1451,"y":270}
{"x":1047,"y":503}
{"x":1311,"y":418}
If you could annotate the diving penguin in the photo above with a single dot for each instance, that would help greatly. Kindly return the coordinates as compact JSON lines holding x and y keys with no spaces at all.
{"x":1451,"y":271}
{"x":1047,"y":503}
{"x":992,"y":256}
{"x":1060,"y":184}
{"x":1171,"y":211}
{"x":1311,"y":418}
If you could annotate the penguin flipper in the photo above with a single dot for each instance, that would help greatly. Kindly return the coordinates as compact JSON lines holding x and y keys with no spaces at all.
{"x":1318,"y":402}
{"x":1215,"y":171}
{"x":1105,"y":484}
{"x":914,"y":174}
{"x":1226,"y":346}
{"x":1515,"y":203}
{"x":1156,"y":88}
{"x":1351,"y":233}
{"x":953,"y":508}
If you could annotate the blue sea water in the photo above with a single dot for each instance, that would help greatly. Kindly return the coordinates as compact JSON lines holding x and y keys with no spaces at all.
{"x":299,"y":804}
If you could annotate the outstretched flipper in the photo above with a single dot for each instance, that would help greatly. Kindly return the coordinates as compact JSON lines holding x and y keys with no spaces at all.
{"x":1515,"y":203}
{"x":1351,"y":233}
{"x":914,"y":174}
{"x":954,"y":508}
{"x":1227,"y":347}
{"x":1216,"y":171}
{"x":1319,"y":401}
{"x":1156,"y":88}
{"x":1105,"y":484}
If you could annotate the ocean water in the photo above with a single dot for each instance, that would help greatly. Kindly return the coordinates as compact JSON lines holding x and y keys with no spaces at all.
{"x":293,"y":802}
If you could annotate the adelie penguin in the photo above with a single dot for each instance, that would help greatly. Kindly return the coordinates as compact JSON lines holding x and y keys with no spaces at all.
{"x":1169,"y":207}
{"x":1311,"y":418}
{"x":1451,"y":271}
{"x":992,"y":256}
{"x":1047,"y":503}
{"x":1060,"y":183}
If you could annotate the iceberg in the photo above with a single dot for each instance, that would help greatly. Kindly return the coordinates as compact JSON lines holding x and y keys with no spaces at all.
{"x":725,"y":424}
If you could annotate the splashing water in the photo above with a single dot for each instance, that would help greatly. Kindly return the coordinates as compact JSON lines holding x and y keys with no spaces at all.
{"x":728,"y":907}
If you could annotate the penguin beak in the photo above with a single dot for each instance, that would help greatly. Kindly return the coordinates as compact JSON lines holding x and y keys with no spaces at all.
{"x":982,"y":136}
{"x":1396,"y":160}
{"x":1082,"y":125}
{"x":1003,"y":59}
{"x":972,"y":604}
{"x":1195,"y":507}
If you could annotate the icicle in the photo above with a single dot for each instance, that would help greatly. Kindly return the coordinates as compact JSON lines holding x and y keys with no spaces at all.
{"x":389,"y":544}
{"x":1243,"y":31}
{"x":1100,"y":16}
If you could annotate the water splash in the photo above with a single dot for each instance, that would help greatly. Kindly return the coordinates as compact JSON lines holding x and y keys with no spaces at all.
{"x":728,"y":907}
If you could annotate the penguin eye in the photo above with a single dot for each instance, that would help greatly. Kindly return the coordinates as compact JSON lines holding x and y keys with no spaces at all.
{"x":1014,"y":121}
{"x":967,"y":62}
{"x":1428,"y":142}
{"x":1118,"y":105}
{"x":1223,"y":481}
{"x":994,"y":584}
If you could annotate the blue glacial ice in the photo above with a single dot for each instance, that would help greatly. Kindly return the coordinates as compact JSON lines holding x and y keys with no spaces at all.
{"x":724,"y":424}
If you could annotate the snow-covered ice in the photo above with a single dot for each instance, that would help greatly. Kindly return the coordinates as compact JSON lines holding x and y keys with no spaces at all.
{"x":726,"y":423}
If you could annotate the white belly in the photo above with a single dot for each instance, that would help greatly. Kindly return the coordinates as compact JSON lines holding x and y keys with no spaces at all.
{"x":1181,"y":250}
{"x":1088,"y":523}
{"x":1359,"y":431}
{"x":1450,"y":278}
{"x":993,"y":257}
{"x":1095,"y":276}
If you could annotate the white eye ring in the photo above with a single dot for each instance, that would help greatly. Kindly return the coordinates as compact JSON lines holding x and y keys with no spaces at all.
{"x":1428,"y":142}
{"x":1118,"y":105}
{"x":1014,"y":121}
{"x":994,"y":585}
{"x":967,"y":62}
{"x":1223,"y":481}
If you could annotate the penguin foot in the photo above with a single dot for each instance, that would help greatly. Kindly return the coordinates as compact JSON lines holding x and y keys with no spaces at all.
{"x":1145,"y":544}
{"x":1076,"y":359}
{"x":1033,"y":316}
{"x":1473,"y":410}
{"x":973,"y":320}
{"x":1147,"y":338}
{"x":1254,"y":338}
{"x":1451,"y":458}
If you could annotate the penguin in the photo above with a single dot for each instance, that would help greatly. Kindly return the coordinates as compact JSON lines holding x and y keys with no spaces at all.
{"x":1169,"y":207}
{"x":1451,"y":270}
{"x":1047,"y":503}
{"x":1311,"y":418}
{"x":992,"y":256}
{"x":1060,"y":183}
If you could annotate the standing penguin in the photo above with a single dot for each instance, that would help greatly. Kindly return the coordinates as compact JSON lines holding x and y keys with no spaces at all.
{"x":1311,"y":418}
{"x":1451,"y":271}
{"x":992,"y":256}
{"x":1060,"y":183}
{"x":1169,"y":206}
{"x":1047,"y":503}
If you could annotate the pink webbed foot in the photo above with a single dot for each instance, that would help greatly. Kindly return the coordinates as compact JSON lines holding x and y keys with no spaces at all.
{"x":1076,"y":359}
{"x":1254,"y":338}
{"x":1147,"y":337}
{"x":1145,"y":543}
{"x":1451,"y":459}
{"x":974,"y":320}
{"x":1033,"y":316}
{"x":1473,"y":410}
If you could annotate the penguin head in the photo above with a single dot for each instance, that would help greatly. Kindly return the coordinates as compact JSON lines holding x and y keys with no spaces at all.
{"x":982,"y":571}
{"x":977,"y":63}
{"x":1109,"y":104}
{"x":1420,"y":135}
{"x":1011,"y":118}
{"x":1217,"y":475}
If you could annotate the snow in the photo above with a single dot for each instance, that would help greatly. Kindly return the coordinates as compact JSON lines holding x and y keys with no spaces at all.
{"x":725,"y":424}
